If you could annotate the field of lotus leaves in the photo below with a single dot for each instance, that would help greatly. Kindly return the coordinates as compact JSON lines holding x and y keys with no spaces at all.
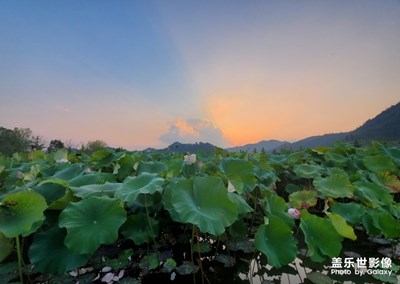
{"x":136,"y":217}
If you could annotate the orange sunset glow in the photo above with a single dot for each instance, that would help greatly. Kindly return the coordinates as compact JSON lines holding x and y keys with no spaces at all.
{"x":147,"y":74}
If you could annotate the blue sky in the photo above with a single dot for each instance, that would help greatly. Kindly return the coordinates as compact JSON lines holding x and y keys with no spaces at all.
{"x":143,"y":74}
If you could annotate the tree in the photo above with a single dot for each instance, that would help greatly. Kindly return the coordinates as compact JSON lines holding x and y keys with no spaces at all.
{"x":37,"y":143}
{"x":55,"y":145}
{"x":16,"y":140}
{"x":92,"y":146}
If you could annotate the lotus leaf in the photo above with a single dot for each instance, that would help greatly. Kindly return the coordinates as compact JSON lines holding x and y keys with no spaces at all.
{"x":85,"y":191}
{"x":19,"y":211}
{"x":240,"y":173}
{"x":379,"y":163}
{"x":372,"y":193}
{"x":49,"y":254}
{"x":203,"y":202}
{"x":61,"y":155}
{"x":320,"y":236}
{"x":50,"y":191}
{"x":385,"y":222}
{"x":67,"y":171}
{"x":334,"y":186}
{"x":143,"y":184}
{"x":340,"y":225}
{"x":276,"y":241}
{"x":137,"y":229}
{"x":352,"y":212}
{"x":6,"y":246}
{"x":277,"y":206}
{"x":151,"y":167}
{"x":92,"y":222}
{"x":303,"y":199}
{"x":241,"y":205}
{"x":91,"y":178}
{"x":308,"y":171}
{"x":336,"y":158}
{"x":389,"y":180}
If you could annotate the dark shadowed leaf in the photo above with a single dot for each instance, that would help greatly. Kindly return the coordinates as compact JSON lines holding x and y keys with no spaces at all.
{"x":49,"y":254}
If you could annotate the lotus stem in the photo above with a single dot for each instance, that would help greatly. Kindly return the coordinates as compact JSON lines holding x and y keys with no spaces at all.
{"x":148,"y":216}
{"x":20,"y":260}
{"x":191,"y":251}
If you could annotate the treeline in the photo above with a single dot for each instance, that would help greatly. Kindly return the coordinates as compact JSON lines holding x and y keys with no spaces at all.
{"x":22,"y":140}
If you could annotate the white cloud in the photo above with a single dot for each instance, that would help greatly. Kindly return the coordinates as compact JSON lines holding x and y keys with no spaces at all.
{"x":194,"y":130}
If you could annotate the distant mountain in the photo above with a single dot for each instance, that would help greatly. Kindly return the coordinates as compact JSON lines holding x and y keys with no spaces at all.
{"x":384,"y":127}
{"x":178,"y":147}
{"x":264,"y":145}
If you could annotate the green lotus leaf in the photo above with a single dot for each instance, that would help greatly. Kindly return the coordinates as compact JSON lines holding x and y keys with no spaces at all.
{"x":368,"y":222}
{"x":63,"y":201}
{"x":277,"y":159}
{"x":167,"y":196}
{"x":32,"y":174}
{"x":308,"y":171}
{"x":85,"y":191}
{"x":61,"y":155}
{"x":6,"y":246}
{"x":151,"y":167}
{"x":58,"y":181}
{"x":67,"y":171}
{"x":335,"y":186}
{"x":276,"y":241}
{"x":340,"y":225}
{"x":91,"y":178}
{"x":336,"y":158}
{"x":276,"y":205}
{"x":102,"y":158}
{"x":169,"y":265}
{"x":320,"y":236}
{"x":238,"y":230}
{"x":49,"y":254}
{"x":379,"y":163}
{"x":352,"y":212}
{"x":372,"y":193}
{"x":50,"y":191}
{"x":19,"y":211}
{"x":137,"y":229}
{"x":125,"y":169}
{"x":241,"y":205}
{"x":92,"y":222}
{"x":240,"y":173}
{"x":303,"y":199}
{"x":385,"y":222}
{"x":142,"y":184}
{"x":149,"y":262}
{"x":203,"y":202}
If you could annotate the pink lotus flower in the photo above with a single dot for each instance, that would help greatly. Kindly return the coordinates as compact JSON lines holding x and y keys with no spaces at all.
{"x":294,"y":213}
{"x":190,"y":159}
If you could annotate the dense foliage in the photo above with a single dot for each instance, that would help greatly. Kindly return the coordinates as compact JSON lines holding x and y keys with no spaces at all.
{"x":15,"y":140}
{"x":145,"y":213}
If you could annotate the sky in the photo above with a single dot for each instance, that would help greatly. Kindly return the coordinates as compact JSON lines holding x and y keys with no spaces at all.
{"x":140,"y":74}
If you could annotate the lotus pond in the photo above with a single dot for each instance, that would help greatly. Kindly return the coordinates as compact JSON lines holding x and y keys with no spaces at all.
{"x":324,"y":215}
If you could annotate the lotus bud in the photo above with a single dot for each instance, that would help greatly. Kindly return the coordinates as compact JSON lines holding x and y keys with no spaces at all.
{"x":294,"y":213}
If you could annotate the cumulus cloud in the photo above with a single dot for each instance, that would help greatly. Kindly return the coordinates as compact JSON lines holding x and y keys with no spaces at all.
{"x":194,"y":130}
